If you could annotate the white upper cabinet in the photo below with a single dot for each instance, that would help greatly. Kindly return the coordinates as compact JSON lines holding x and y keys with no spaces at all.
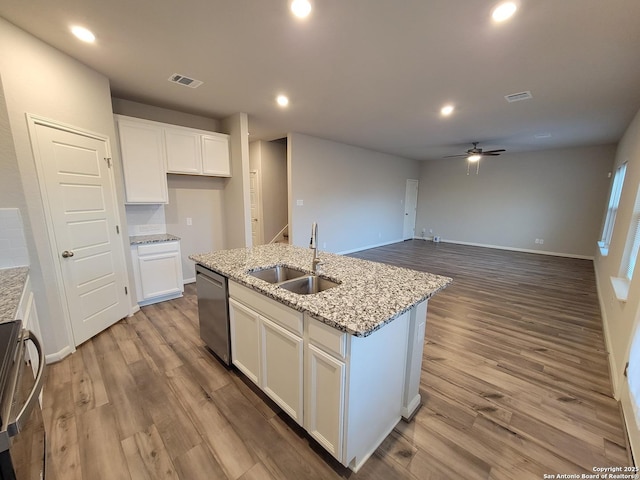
{"x":215,"y":155}
{"x":143,"y":161}
{"x":195,"y":152}
{"x":150,"y":150}
{"x":183,"y":151}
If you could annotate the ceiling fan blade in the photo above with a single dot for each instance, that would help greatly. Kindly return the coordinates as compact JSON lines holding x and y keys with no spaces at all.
{"x":486,"y":154}
{"x":494,"y":151}
{"x":452,"y":156}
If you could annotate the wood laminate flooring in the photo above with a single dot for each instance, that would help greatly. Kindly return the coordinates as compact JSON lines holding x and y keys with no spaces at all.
{"x":515,"y":385}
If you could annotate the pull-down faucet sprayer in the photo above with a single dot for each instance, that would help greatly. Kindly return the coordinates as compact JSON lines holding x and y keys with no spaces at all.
{"x":313,"y":245}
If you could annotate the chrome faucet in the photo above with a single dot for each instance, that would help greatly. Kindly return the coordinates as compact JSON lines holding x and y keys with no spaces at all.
{"x":313,"y":245}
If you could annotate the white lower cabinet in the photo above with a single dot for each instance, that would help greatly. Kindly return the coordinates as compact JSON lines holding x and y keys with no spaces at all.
{"x":324,"y":399}
{"x":346,"y":391}
{"x":245,"y":340}
{"x":267,"y":346}
{"x":282,"y":367}
{"x":29,"y":315}
{"x":157,"y":269}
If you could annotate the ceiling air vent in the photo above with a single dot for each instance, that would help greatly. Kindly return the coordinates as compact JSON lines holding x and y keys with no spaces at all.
{"x":516,"y":97}
{"x":186,"y":81}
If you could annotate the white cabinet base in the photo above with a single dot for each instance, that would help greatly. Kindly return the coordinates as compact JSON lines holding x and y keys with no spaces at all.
{"x":157,"y":268}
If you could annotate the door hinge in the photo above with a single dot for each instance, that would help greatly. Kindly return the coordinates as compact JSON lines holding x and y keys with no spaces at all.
{"x":126,"y":291}
{"x":626,"y":367}
{"x":108,"y":160}
{"x":117,"y":229}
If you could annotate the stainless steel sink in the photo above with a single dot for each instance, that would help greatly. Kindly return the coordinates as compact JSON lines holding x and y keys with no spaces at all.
{"x":308,"y":285}
{"x":277,"y":274}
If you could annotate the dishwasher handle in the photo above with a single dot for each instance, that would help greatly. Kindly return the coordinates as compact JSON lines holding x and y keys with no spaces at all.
{"x":212,"y":280}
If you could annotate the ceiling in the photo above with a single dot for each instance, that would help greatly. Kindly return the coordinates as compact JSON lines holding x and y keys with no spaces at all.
{"x":372,"y":73}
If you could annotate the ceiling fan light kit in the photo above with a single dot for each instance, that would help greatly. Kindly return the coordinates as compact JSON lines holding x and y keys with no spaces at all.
{"x":476,"y":153}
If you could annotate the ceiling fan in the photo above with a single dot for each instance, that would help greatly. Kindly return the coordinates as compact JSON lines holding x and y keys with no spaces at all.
{"x":475,"y":154}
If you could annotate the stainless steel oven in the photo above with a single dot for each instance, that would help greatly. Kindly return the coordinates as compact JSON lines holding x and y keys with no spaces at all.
{"x":22,"y":437}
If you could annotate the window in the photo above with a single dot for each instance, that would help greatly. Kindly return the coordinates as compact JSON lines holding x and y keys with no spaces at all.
{"x":612,"y":209}
{"x":633,"y":241}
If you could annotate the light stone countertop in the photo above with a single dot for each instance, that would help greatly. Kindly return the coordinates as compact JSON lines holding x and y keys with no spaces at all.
{"x":157,"y":238}
{"x":370,"y":294}
{"x":12,"y":282}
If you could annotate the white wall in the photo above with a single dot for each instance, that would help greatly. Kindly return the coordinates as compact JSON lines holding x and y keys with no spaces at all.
{"x":619,"y":317}
{"x":202,"y":200}
{"x":270,"y":160}
{"x":355,"y":195}
{"x":236,"y":193}
{"x":165,"y":115}
{"x":39,"y":79}
{"x":555,"y":195}
{"x":622,"y":319}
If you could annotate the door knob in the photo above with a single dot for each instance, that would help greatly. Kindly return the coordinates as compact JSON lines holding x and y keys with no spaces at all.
{"x":67,"y":254}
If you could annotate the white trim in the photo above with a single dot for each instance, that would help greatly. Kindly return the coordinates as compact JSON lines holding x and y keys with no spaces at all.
{"x":620,"y":288}
{"x":607,"y":340}
{"x":359,"y":249}
{"x":134,"y":309}
{"x":59,"y":355}
{"x":189,"y":280}
{"x":515,"y":249}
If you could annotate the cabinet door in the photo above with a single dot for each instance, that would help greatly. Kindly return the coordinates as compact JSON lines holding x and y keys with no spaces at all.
{"x":143,"y":162}
{"x":282,"y":367}
{"x":183,"y":151}
{"x":160,"y":274}
{"x":245,"y":340}
{"x":324,"y":399}
{"x":215,"y":155}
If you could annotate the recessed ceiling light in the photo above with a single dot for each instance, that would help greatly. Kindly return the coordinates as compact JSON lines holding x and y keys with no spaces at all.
{"x":301,"y":8}
{"x":504,"y":11}
{"x":83,"y":34}
{"x":446,"y":110}
{"x":542,"y":135}
{"x":282,"y":100}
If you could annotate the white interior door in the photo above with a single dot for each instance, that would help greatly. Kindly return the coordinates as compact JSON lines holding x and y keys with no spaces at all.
{"x":256,"y":217}
{"x":79,"y":191}
{"x":410,"y":208}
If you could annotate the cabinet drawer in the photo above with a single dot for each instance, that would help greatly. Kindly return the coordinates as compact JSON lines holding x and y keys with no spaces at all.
{"x":327,"y":338}
{"x":282,"y":315}
{"x":155,"y":248}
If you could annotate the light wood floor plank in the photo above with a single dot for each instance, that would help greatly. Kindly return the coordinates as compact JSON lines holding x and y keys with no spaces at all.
{"x":515,"y":384}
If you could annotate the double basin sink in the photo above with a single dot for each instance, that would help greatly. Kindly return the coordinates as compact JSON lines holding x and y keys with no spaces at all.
{"x":293,"y":280}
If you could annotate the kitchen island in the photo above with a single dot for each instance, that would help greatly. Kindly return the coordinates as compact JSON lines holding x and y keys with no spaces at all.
{"x":345,"y":362}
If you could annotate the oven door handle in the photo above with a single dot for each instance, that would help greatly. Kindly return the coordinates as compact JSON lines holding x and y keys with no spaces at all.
{"x":15,"y":427}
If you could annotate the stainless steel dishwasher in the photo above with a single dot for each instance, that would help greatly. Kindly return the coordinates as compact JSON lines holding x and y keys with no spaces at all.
{"x":213,"y":312}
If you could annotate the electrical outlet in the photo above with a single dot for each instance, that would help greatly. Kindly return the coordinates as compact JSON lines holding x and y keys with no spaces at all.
{"x":299,"y":203}
{"x":541,"y":241}
{"x":431,"y":230}
{"x":537,"y":240}
{"x":189,"y":221}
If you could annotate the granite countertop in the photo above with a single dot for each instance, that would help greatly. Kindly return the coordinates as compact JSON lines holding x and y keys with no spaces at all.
{"x":157,"y":238}
{"x":12,"y":282}
{"x":370,"y":294}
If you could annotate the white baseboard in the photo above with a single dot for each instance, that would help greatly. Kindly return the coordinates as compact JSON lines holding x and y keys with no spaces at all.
{"x":515,"y":249}
{"x":359,"y":249}
{"x":189,"y":280}
{"x":134,"y":309}
{"x":59,"y":355}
